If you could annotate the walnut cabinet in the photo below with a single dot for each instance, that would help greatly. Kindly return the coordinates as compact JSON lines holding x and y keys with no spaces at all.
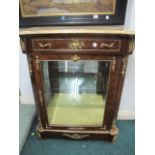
{"x":77,"y":77}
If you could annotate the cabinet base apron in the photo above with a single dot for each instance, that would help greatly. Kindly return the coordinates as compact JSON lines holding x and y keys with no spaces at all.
{"x":107,"y":135}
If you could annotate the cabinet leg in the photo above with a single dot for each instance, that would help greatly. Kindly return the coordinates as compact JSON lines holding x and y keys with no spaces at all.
{"x":114,"y":139}
{"x":38,"y":134}
{"x":114,"y":133}
{"x":39,"y":131}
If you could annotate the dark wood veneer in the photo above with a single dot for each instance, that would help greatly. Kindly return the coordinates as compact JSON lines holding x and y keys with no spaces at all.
{"x":117,"y":73}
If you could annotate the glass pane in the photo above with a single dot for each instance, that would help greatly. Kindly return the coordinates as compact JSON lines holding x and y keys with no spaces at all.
{"x":75,"y":92}
{"x":35,"y":8}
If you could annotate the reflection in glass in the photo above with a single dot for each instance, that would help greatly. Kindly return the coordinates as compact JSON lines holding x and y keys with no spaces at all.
{"x":75,"y":92}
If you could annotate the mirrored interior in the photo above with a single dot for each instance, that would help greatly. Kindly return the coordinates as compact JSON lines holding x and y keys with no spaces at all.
{"x":75,"y":92}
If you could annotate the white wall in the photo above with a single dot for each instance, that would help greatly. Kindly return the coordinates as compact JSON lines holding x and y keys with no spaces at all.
{"x":127,"y":105}
{"x":24,"y":80}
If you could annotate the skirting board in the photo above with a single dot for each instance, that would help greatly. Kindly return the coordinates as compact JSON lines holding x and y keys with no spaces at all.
{"x":122,"y":115}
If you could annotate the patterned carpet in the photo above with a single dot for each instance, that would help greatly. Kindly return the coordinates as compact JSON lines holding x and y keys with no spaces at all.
{"x":125,"y":144}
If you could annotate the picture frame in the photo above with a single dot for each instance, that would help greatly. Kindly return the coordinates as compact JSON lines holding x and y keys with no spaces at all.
{"x":71,"y":12}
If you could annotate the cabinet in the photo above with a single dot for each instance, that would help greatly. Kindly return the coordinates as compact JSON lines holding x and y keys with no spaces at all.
{"x":77,"y":75}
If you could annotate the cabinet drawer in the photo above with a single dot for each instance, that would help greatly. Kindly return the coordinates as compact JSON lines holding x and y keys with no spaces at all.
{"x":76,"y":44}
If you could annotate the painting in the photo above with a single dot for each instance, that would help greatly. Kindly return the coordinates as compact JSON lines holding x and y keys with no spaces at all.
{"x":71,"y":12}
{"x":41,"y":8}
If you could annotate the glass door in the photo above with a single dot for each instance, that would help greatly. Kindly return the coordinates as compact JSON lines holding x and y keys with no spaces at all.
{"x":75,"y":92}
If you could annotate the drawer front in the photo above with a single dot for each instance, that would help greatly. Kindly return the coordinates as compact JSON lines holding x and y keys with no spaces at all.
{"x":76,"y":44}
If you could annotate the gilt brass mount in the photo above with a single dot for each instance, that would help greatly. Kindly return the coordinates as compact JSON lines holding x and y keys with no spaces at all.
{"x":113,"y":63}
{"x":75,"y":58}
{"x":44,"y":45}
{"x":125,"y":62}
{"x":111,"y":45}
{"x":76,"y":44}
{"x":131,"y":45}
{"x":37,"y":63}
{"x":76,"y":136}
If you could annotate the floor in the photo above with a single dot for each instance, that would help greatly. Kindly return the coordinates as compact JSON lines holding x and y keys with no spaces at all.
{"x":83,"y":109}
{"x":125,"y":144}
{"x":27,"y":114}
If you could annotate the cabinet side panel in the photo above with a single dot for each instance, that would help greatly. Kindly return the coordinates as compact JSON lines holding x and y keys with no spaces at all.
{"x":39,"y":91}
{"x":122,"y":73}
{"x":112,"y":93}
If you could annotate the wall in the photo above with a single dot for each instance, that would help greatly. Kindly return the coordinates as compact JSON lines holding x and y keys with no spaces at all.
{"x":127,"y":105}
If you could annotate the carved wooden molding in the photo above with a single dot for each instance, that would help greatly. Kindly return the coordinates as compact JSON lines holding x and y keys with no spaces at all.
{"x":76,"y":136}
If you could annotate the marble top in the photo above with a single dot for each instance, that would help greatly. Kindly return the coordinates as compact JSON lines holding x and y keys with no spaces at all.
{"x":75,"y":29}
